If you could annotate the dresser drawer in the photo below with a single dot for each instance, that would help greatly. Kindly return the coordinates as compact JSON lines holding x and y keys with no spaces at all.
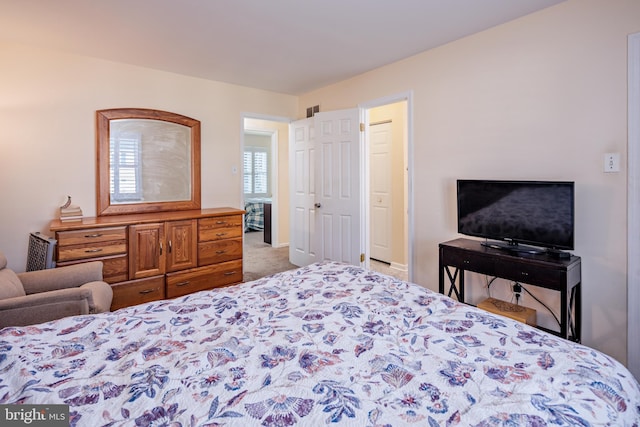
{"x":96,"y":250}
{"x":532,"y":274}
{"x":222,"y":227}
{"x":202,"y":278}
{"x":137,"y":292}
{"x":91,"y":236}
{"x":114,"y":268}
{"x":468,"y":261}
{"x":219,"y":251}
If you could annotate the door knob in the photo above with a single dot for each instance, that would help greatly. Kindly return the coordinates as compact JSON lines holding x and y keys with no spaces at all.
{"x":317,"y":205}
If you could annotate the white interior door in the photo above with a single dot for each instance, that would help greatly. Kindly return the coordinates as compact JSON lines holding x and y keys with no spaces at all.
{"x":302,"y":188}
{"x":380,"y":211}
{"x":338,"y":198}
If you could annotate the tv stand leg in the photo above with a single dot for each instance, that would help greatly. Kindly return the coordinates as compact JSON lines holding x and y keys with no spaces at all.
{"x":453,"y":289}
{"x":575,"y":314}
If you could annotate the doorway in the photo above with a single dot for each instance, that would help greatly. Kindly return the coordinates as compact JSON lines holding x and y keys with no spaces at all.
{"x":264,"y":155}
{"x":388,"y":194}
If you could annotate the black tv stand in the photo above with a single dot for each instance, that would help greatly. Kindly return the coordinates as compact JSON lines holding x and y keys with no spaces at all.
{"x":513,"y":248}
{"x":558,"y":254}
{"x":542,"y":270}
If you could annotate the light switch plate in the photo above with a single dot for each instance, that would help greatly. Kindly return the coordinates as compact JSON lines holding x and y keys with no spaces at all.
{"x":612,"y":162}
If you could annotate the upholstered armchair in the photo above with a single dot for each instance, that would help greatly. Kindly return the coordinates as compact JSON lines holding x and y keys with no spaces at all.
{"x":44,"y":295}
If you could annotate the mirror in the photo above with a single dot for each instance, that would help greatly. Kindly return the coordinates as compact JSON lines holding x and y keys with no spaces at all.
{"x":148,"y":161}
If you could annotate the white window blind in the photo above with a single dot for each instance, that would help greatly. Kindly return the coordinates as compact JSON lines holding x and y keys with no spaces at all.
{"x":124,"y":163}
{"x":256,"y":172}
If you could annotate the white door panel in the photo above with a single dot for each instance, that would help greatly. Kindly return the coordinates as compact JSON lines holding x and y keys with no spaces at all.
{"x":302,"y":185}
{"x":380,"y":138}
{"x":338,"y":172}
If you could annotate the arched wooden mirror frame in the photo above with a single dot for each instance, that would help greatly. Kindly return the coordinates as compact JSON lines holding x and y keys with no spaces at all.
{"x":103,"y":124}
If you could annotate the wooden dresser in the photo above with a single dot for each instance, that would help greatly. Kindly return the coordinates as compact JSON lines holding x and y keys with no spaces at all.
{"x":152,"y":256}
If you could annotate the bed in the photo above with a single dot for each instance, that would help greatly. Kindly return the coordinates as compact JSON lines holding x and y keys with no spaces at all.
{"x":324,"y":344}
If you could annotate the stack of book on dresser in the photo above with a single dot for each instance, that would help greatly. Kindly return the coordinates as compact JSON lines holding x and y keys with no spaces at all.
{"x":70,"y":213}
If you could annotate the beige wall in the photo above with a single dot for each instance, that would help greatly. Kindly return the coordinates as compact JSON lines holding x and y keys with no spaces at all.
{"x":47,"y":131}
{"x":542,"y":97}
{"x":281,"y":203}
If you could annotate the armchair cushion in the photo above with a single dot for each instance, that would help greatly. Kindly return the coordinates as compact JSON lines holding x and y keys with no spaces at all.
{"x":10,"y":285}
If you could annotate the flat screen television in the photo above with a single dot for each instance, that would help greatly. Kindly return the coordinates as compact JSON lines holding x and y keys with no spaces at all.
{"x":518,"y":213}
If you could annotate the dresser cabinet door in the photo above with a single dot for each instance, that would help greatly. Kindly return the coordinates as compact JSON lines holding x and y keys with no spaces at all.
{"x":182,"y":244}
{"x":146,"y":250}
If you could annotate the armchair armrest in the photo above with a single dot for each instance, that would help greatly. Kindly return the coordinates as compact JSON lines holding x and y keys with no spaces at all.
{"x":38,"y":308}
{"x":70,"y":276}
{"x":101,"y":296}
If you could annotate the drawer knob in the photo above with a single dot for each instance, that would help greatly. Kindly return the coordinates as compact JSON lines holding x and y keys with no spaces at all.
{"x":229,"y":273}
{"x":221,"y":234}
{"x":90,"y":251}
{"x":466,"y":261}
{"x":524,"y":273}
{"x":182,"y":283}
{"x":148,"y":291}
{"x":220,"y":252}
{"x":221,"y":222}
{"x":93,"y":236}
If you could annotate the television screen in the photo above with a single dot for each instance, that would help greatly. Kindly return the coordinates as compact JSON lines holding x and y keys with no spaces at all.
{"x":539,"y":213}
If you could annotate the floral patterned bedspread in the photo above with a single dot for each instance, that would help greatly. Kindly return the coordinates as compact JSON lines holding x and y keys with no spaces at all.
{"x":325,"y":344}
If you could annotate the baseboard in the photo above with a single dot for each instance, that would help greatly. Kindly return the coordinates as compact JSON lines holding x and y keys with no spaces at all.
{"x":398,"y":266}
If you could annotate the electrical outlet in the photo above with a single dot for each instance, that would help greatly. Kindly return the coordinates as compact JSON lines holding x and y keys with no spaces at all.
{"x":612,"y":162}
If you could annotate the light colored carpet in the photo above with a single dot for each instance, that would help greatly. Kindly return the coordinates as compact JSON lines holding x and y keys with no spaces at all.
{"x":260,"y":259}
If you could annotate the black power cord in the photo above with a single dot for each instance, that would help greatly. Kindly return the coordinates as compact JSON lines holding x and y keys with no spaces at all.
{"x":489,"y":282}
{"x":522,"y":288}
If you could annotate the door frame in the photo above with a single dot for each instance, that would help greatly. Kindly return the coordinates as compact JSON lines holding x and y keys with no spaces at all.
{"x":366,"y":170}
{"x":633,"y":204}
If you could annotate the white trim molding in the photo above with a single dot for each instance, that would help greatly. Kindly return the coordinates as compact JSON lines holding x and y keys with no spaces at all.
{"x":633,"y":206}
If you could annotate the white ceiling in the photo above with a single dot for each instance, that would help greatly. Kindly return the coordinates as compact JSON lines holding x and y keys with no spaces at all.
{"x":288,"y":46}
